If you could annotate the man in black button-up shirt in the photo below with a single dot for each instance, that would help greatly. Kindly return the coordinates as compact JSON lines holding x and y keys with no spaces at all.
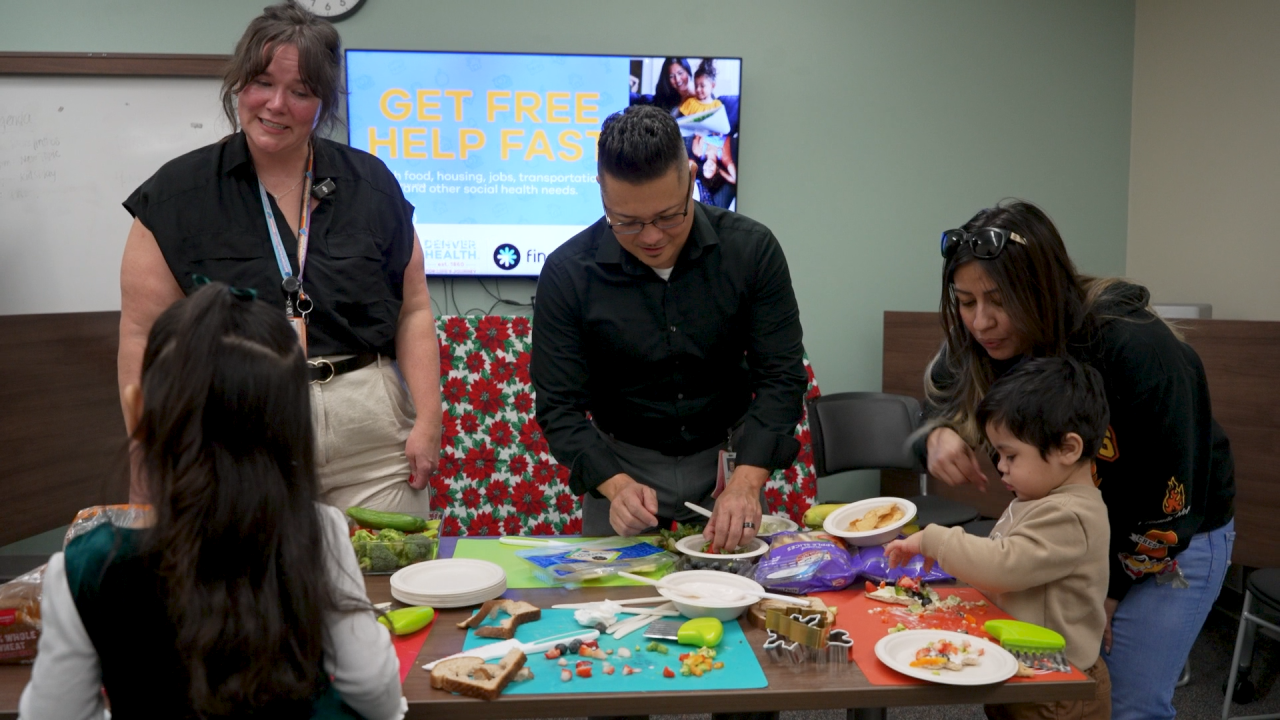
{"x":667,"y":324}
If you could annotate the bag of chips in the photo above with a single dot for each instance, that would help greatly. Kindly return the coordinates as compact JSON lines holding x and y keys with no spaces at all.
{"x":870,"y":563}
{"x":805,"y":562}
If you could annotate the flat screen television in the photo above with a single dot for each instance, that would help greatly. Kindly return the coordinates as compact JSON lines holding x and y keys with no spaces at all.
{"x":496,"y":151}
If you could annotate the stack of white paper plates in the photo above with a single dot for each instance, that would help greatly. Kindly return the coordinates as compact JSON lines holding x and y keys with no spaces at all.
{"x":454,"y":582}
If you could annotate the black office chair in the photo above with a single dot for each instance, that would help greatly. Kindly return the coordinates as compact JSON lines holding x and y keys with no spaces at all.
{"x":869,"y":431}
{"x":1263,"y":586}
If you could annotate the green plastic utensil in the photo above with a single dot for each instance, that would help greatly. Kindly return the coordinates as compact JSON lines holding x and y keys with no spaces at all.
{"x":1034,"y":646}
{"x":698,"y":632}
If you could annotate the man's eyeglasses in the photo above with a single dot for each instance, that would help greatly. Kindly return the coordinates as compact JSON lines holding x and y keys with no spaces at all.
{"x":986,"y":243}
{"x":662,"y":222}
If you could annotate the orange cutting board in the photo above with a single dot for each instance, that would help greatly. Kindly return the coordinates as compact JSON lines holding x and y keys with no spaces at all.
{"x":866,"y":627}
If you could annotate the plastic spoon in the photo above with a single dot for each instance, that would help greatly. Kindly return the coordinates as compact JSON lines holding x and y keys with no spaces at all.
{"x":718,"y":593}
{"x":528,"y":542}
{"x":698,"y":509}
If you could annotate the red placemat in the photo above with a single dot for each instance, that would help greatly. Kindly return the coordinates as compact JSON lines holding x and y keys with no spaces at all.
{"x":866,"y":628}
{"x":407,"y":648}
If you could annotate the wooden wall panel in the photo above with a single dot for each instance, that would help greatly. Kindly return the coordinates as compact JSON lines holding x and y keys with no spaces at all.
{"x":133,"y":64}
{"x":61,"y":432}
{"x":1242,"y":362}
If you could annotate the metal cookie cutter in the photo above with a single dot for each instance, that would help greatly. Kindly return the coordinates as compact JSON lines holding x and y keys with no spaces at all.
{"x":839,"y":647}
{"x":784,"y":651}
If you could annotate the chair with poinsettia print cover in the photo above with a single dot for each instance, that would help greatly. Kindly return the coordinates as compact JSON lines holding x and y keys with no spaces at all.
{"x":496,"y":474}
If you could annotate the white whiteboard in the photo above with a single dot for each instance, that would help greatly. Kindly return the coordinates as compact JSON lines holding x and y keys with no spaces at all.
{"x":72,"y":148}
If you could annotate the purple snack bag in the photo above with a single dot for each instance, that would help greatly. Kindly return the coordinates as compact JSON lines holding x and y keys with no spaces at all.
{"x":870,"y":563}
{"x":805,"y":562}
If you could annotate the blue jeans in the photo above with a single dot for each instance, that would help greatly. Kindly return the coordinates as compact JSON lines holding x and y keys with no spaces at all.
{"x":1155,"y":626}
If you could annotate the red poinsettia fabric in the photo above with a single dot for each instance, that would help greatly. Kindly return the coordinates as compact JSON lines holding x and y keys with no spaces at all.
{"x":496,"y":474}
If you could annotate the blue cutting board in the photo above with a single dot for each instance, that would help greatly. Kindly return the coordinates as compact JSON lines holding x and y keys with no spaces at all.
{"x":741,"y":670}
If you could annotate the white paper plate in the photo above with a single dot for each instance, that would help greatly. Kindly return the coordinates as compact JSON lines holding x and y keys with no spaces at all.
{"x":897,"y":650}
{"x":452,"y":582}
{"x":837,"y":523}
{"x":692,"y":546}
{"x":787,"y":525}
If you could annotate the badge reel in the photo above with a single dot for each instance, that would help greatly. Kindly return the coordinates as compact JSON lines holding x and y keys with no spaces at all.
{"x":297,"y":307}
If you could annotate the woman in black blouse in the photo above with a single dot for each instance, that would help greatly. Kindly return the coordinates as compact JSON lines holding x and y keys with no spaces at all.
{"x":322,"y":231}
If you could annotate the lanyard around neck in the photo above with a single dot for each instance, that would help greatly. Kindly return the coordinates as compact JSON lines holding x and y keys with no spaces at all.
{"x":304,"y":224}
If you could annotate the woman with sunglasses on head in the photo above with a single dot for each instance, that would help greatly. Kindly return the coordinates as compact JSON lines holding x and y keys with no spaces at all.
{"x":1010,"y":292}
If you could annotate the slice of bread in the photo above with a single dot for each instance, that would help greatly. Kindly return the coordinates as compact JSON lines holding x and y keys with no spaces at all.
{"x":472,"y":677}
{"x":520,"y":612}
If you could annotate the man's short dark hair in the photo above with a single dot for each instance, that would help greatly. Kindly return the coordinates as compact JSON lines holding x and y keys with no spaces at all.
{"x":639,"y":144}
{"x":1042,"y":400}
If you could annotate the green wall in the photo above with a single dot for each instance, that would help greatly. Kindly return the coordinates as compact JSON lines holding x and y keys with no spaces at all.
{"x":869,"y":127}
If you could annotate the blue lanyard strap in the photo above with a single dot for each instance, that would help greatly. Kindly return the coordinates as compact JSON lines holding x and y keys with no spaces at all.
{"x":282,"y":258}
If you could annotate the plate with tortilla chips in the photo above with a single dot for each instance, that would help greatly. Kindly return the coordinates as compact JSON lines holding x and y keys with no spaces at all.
{"x":874,"y":521}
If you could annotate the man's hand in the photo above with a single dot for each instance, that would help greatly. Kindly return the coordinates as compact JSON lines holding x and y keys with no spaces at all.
{"x":738,"y":504}
{"x":952,"y":461}
{"x":633,"y":506}
{"x":1110,"y":606}
{"x":423,"y":452}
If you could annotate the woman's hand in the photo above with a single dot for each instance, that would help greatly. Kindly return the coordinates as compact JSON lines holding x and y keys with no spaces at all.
{"x":952,"y":461}
{"x":423,"y":452}
{"x":1110,"y":606}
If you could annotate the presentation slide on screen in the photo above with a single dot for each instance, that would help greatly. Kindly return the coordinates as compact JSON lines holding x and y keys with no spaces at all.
{"x":497,"y":152}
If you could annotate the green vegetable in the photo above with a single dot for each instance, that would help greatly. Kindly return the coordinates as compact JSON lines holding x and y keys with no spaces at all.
{"x":378,"y":520}
{"x":418,"y":548}
{"x":407,"y":620}
{"x":381,"y":559}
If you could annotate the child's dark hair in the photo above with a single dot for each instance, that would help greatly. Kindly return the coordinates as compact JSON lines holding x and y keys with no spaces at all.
{"x":707,"y":68}
{"x":225,"y":446}
{"x":1043,"y":399}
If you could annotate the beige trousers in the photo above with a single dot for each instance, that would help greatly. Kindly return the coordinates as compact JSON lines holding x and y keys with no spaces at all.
{"x":361,"y":421}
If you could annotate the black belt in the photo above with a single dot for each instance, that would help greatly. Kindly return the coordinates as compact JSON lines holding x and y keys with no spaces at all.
{"x":322,"y":371}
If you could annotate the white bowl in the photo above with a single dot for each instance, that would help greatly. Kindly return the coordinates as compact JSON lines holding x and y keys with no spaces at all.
{"x":787,"y":524}
{"x":719,"y":610}
{"x":837,"y":523}
{"x":692,"y":546}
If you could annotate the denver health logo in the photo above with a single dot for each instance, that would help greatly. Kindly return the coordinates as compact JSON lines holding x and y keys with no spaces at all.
{"x":506,"y":256}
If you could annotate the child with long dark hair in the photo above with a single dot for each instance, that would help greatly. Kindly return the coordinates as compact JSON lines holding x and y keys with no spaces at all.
{"x":244,"y":599}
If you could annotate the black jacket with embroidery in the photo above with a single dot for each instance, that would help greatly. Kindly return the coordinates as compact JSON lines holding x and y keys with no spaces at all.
{"x":1165,"y":470}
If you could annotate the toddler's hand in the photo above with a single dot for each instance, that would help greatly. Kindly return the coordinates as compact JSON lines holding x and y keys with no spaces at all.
{"x":900,"y":552}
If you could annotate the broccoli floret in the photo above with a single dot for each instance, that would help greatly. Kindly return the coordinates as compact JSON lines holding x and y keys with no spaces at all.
{"x":362,"y":536}
{"x":381,"y":559}
{"x":387,"y":535}
{"x":417,"y":548}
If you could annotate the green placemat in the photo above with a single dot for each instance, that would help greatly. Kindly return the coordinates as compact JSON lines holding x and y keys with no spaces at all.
{"x":520,"y":572}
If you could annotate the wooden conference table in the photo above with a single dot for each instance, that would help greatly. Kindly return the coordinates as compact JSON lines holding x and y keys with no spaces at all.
{"x":802,"y":687}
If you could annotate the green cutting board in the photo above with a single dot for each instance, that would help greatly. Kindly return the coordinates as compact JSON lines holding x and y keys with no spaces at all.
{"x":520,"y":572}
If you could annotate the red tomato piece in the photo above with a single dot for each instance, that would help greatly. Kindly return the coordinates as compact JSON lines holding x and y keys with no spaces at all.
{"x":668,"y":672}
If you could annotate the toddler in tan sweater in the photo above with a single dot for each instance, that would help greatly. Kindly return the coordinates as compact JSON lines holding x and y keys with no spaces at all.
{"x":1045,"y":561}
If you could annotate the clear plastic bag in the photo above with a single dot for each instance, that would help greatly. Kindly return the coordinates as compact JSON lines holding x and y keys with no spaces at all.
{"x":133,"y":517}
{"x":573,"y":564}
{"x":20,"y":617}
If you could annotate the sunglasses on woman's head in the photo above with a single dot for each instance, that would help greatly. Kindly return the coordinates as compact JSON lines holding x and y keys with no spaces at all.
{"x":986,"y":243}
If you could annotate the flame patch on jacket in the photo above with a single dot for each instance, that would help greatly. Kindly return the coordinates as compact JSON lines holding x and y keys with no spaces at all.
{"x":1155,"y":543}
{"x":1138,"y":565}
{"x":1175,"y":497}
{"x":1109,"y":451}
